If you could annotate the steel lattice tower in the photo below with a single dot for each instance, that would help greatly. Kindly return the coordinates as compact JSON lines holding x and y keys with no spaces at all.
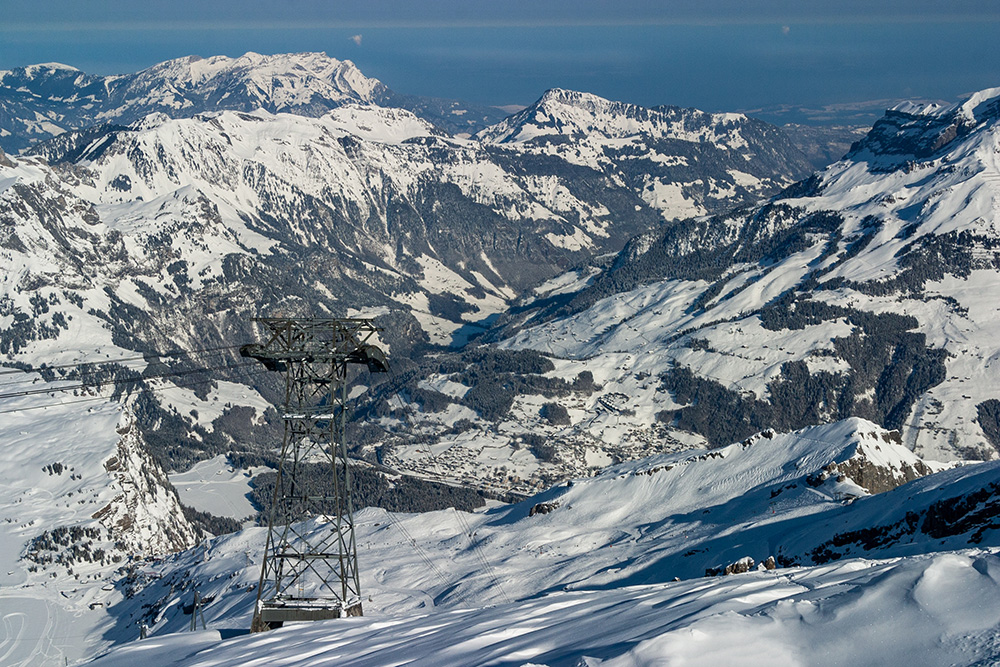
{"x":310,"y":569}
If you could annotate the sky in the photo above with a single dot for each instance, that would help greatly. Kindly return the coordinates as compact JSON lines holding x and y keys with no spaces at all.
{"x":717,"y":55}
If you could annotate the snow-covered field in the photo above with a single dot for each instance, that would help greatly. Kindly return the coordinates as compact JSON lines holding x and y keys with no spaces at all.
{"x":927,"y":610}
{"x":214,"y":486}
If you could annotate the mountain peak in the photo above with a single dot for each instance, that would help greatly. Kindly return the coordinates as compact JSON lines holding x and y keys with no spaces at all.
{"x":977,"y":107}
{"x":274,"y":81}
{"x":912,"y":131}
{"x":562,"y":114}
{"x":573,"y":98}
{"x":33,"y":70}
{"x":567,"y":113}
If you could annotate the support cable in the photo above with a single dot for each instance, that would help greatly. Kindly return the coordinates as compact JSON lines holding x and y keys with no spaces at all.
{"x":464,"y":525}
{"x":149,"y":356}
{"x":98,"y":385}
{"x":83,"y":370}
{"x":420,"y":552}
{"x":144,"y":390}
{"x":482,"y":556}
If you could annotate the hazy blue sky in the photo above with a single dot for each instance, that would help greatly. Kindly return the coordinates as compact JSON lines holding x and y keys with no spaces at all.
{"x":712,"y":54}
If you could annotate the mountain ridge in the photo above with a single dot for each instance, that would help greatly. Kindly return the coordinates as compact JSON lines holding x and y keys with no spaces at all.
{"x":792,"y":365}
{"x":42,"y":101}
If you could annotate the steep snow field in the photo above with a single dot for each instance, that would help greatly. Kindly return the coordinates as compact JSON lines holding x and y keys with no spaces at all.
{"x":586,"y":569}
{"x":84,"y":473}
{"x":937,"y":609}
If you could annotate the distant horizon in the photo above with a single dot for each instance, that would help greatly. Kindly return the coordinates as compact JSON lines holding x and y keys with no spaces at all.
{"x":856,"y":112}
{"x":715,"y":55}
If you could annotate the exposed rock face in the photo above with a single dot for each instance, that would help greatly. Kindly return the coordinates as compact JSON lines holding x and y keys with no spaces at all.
{"x":876,"y":479}
{"x":542,"y":508}
{"x":912,"y":131}
{"x":741,"y":566}
{"x":881,"y":463}
{"x":145,"y":518}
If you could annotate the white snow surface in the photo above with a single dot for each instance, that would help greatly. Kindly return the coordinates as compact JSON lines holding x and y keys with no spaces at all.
{"x":938,"y":609}
{"x":592,"y":580}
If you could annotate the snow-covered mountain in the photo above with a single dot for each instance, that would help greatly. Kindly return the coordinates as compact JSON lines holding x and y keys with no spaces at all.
{"x":139,"y":246}
{"x":45,"y":100}
{"x":683,"y":162}
{"x":611,"y":543}
{"x":865,"y":290}
{"x":174,"y":233}
{"x":38,"y":102}
{"x":228,"y":209}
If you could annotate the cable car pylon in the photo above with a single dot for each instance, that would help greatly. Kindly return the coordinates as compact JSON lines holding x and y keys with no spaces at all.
{"x":310,"y":569}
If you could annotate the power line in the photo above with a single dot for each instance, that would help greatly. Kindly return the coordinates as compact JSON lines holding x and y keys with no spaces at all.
{"x":149,"y":390}
{"x":479,"y":552}
{"x":90,"y":385}
{"x":464,"y":526}
{"x":145,"y":357}
{"x":420,"y":552}
{"x":87,"y":366}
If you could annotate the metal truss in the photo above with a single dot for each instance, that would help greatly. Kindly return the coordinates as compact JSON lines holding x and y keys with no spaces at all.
{"x":310,"y":567}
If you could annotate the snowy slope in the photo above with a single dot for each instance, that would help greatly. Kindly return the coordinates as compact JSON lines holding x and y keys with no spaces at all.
{"x":683,"y":162}
{"x":586,"y":556}
{"x":80,"y":497}
{"x":641,"y":522}
{"x":865,"y":290}
{"x":940,"y":609}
